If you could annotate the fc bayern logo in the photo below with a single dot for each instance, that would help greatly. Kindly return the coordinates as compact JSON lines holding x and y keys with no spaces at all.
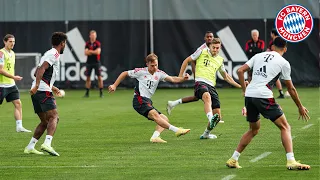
{"x":294,"y":23}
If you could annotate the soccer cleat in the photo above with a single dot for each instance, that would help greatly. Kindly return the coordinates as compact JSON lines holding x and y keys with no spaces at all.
{"x":232,"y":163}
{"x":22,"y":129}
{"x":294,"y":165}
{"x":86,"y":96}
{"x":208,"y":136}
{"x":182,"y":131}
{"x":214,"y":121}
{"x":49,"y":150}
{"x":101,"y":95}
{"x":281,"y":96}
{"x":31,"y":151}
{"x":221,"y":121}
{"x":170,"y":106}
{"x":157,"y":140}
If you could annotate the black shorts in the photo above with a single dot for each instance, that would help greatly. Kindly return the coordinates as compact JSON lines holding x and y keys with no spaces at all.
{"x":96,"y":67}
{"x":265,"y":106}
{"x":143,"y":105}
{"x":201,"y":87}
{"x":10,"y":93}
{"x":43,"y":101}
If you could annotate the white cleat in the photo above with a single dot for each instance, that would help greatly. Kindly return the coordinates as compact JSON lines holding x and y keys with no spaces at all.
{"x":221,"y":121}
{"x":169,"y":107}
{"x":22,"y":129}
{"x":209,"y":136}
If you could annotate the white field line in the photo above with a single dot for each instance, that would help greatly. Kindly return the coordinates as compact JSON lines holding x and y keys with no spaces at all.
{"x":52,"y":167}
{"x":263,"y":155}
{"x":231,"y":176}
{"x":307,"y":126}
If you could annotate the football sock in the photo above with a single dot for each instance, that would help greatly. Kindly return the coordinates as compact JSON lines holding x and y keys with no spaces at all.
{"x":87,"y":90}
{"x":19,"y":123}
{"x":290,"y":156}
{"x":236,"y":155}
{"x":207,"y":131}
{"x":101,"y":90}
{"x":281,"y":92}
{"x":155,"y":134}
{"x":32,"y":143}
{"x":173,"y":128}
{"x":48,"y":140}
{"x":209,"y":116}
{"x":176,"y":102}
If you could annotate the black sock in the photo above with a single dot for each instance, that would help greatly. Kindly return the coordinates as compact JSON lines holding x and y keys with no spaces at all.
{"x":101,"y":90}
{"x":87,"y":90}
{"x":281,"y":92}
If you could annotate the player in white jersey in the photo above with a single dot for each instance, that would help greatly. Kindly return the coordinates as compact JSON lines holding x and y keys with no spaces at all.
{"x":267,"y":68}
{"x":208,"y":37}
{"x":42,"y":97}
{"x":148,"y":79}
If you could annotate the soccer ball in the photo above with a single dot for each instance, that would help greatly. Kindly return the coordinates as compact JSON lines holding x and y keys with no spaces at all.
{"x":286,"y":94}
{"x":62,"y":93}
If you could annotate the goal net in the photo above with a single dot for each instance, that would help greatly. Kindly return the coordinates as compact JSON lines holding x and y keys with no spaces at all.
{"x":25,"y":66}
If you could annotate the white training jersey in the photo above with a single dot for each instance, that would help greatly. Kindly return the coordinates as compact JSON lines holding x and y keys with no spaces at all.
{"x":146,"y":83}
{"x":52,"y":56}
{"x":197,"y":53}
{"x":267,"y":68}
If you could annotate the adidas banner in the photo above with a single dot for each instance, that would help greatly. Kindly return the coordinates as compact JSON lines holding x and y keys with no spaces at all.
{"x":125,"y":44}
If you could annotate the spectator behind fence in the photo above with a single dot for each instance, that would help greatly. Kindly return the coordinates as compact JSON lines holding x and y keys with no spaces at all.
{"x":254,"y":45}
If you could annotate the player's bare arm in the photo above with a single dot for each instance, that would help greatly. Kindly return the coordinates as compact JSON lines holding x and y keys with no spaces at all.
{"x":295,"y":97}
{"x":45,"y":65}
{"x":5,"y":73}
{"x":244,"y":68}
{"x":121,"y":77}
{"x":230,"y":80}
{"x":87,"y":52}
{"x":175,"y":79}
{"x":184,"y":65}
{"x":95,"y":52}
{"x":56,"y":91}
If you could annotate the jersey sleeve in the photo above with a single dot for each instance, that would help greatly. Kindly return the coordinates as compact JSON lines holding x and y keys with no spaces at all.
{"x":163,"y":75}
{"x":98,"y":44}
{"x":251,"y":62}
{"x":222,"y":69}
{"x":286,"y":71}
{"x":135,"y":73}
{"x":50,"y":59}
{"x":196,"y":54}
{"x":1,"y":58}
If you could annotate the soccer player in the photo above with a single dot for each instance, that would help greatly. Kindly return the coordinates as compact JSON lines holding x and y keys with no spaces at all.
{"x":93,"y":50}
{"x":267,"y":67}
{"x":171,"y":104}
{"x":8,"y":88}
{"x":148,"y":79}
{"x":208,"y":62}
{"x":42,"y":97}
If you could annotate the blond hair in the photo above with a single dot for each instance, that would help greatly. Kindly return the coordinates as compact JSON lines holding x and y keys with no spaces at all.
{"x":151,"y":57}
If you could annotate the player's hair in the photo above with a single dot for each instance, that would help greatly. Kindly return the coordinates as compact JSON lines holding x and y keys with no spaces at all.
{"x":208,"y":32}
{"x":57,"y":38}
{"x":151,"y":57}
{"x":216,"y":41}
{"x":279,"y":43}
{"x":93,"y":31}
{"x":254,"y":30}
{"x":274,"y":32}
{"x":6,"y":37}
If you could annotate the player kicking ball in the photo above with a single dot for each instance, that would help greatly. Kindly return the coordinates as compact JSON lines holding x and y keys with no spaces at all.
{"x":148,"y":79}
{"x":267,"y":67}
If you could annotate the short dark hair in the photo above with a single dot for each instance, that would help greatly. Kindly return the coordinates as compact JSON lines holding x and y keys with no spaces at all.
{"x":279,"y":42}
{"x":208,"y":32}
{"x":57,"y":38}
{"x":6,"y":37}
{"x":274,"y":32}
{"x":151,"y":57}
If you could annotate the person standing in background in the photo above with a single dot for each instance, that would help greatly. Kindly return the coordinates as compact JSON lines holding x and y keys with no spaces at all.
{"x":93,"y":51}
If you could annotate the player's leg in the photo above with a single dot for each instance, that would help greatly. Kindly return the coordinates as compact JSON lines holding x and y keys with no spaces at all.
{"x":279,"y":87}
{"x":13,"y":96}
{"x":253,"y":118}
{"x":155,"y":138}
{"x":88,"y":79}
{"x":286,"y":139}
{"x":38,"y":132}
{"x":100,"y":81}
{"x":52,"y":118}
{"x":172,"y":104}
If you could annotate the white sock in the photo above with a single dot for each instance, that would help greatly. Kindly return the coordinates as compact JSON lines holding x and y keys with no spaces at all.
{"x":290,"y":156}
{"x":176,"y":102}
{"x":155,"y":134}
{"x":19,"y":123}
{"x":236,"y":155}
{"x":207,"y":131}
{"x":209,"y":116}
{"x":48,"y":140}
{"x":173,"y":128}
{"x":32,"y":143}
